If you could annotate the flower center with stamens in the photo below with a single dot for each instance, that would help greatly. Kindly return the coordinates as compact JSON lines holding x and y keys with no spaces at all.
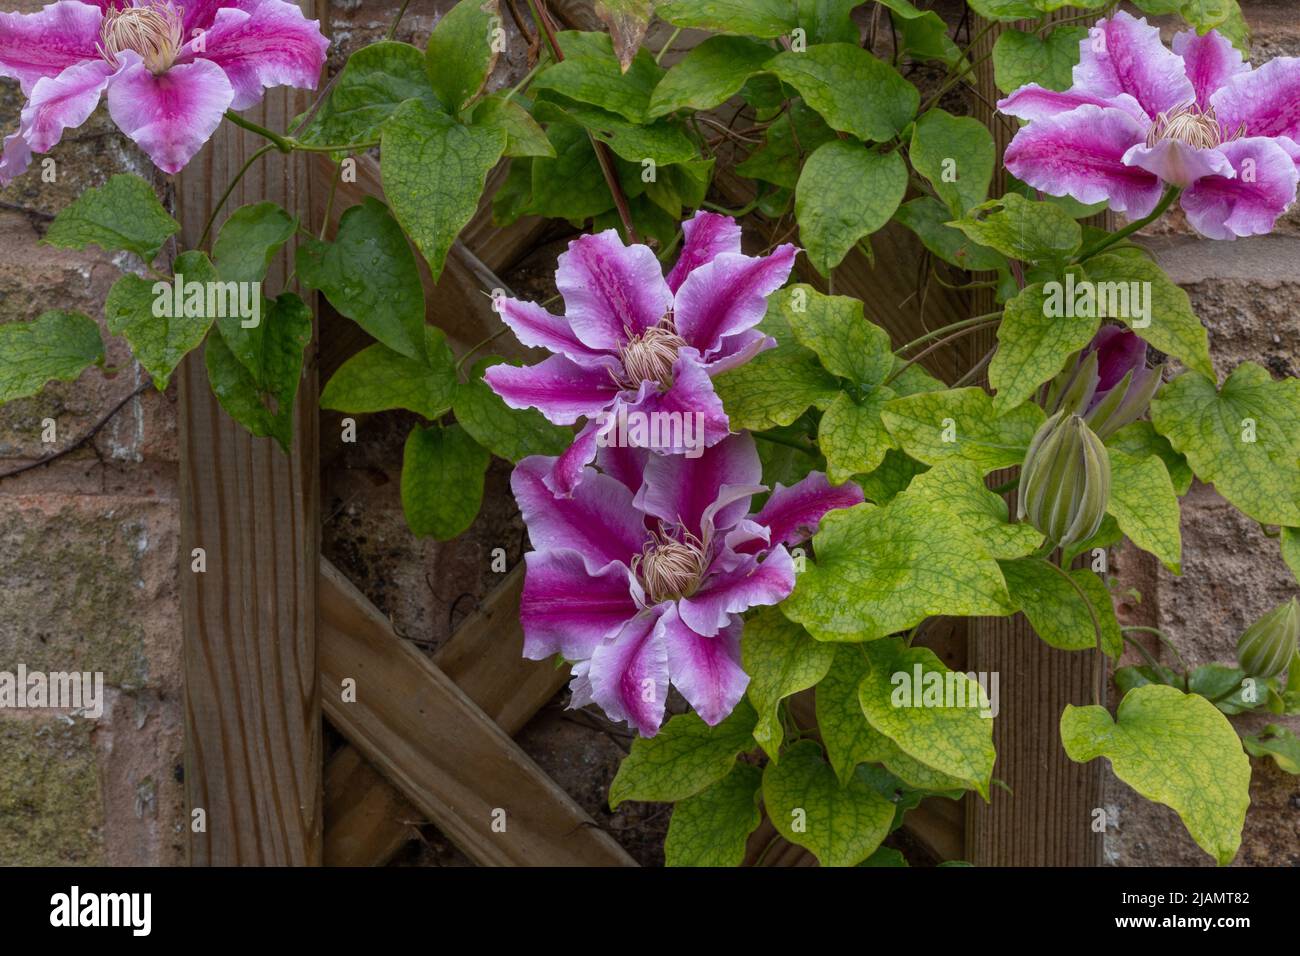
{"x":670,"y":568}
{"x":1191,"y":125}
{"x":650,"y":356}
{"x":155,"y":32}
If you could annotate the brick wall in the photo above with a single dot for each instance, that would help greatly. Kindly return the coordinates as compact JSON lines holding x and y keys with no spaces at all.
{"x":88,"y":552}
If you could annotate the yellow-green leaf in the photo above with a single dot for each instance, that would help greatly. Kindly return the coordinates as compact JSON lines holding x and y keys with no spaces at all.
{"x":683,"y":758}
{"x":940,"y":718}
{"x":841,"y":825}
{"x":1176,"y":749}
{"x":960,"y":423}
{"x":1143,"y":502}
{"x":1244,"y":438}
{"x":781,"y":659}
{"x":712,"y":827}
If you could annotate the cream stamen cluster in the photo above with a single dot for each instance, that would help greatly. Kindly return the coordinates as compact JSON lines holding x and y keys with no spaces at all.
{"x":156,"y":32}
{"x":671,"y":568}
{"x":1191,"y":125}
{"x":649,"y":357}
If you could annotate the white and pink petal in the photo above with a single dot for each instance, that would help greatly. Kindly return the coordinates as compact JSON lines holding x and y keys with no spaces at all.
{"x":559,"y":388}
{"x":628,"y":674}
{"x":728,"y":295}
{"x":1177,"y":163}
{"x":749,"y":583}
{"x":599,"y":521}
{"x":1034,"y":102}
{"x":706,"y":235}
{"x":1249,"y":203}
{"x":679,"y":490}
{"x":611,"y":291}
{"x":568,"y":610}
{"x":170,"y":116}
{"x":273,"y":44}
{"x":1263,"y":102}
{"x":1125,"y":54}
{"x":1209,"y":61}
{"x":1081,"y":154}
{"x":793,"y":514}
{"x":706,"y":670}
{"x":49,"y":41}
{"x":537,"y":328}
{"x":686,"y":418}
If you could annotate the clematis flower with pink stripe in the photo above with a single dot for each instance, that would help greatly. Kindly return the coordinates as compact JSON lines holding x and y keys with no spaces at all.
{"x":640,"y":577}
{"x":170,"y":71}
{"x":1140,"y":117}
{"x":634,"y":341}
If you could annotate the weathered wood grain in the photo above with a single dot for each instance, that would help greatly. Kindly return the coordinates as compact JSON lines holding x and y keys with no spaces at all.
{"x":1045,"y":818}
{"x":484,"y":657}
{"x":445,"y":755}
{"x":252,"y":707}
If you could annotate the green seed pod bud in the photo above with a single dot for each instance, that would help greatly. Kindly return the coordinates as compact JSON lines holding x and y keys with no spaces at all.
{"x":1065,"y":480}
{"x":1270,"y":642}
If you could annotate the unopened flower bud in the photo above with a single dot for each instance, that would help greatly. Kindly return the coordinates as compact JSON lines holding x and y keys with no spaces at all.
{"x":1065,"y":480}
{"x":1270,"y":642}
{"x":1108,"y":383}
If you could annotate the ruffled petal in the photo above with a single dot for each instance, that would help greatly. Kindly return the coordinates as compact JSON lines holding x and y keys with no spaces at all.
{"x":1081,"y":154}
{"x":728,"y":295}
{"x":1266,"y":101}
{"x":560,"y":389}
{"x":172,"y":115}
{"x":571,"y":466}
{"x":629,"y":673}
{"x":565,"y":609}
{"x":793,"y":514}
{"x":273,"y":45}
{"x":598,"y":521}
{"x":738,"y":349}
{"x":47,"y":42}
{"x":706,"y":236}
{"x":679,"y":490}
{"x":706,"y":670}
{"x":1209,"y":61}
{"x":15,"y":159}
{"x":535,"y":327}
{"x":1033,"y":102}
{"x":611,"y":291}
{"x":751,"y":583}
{"x":683,"y":420}
{"x":1125,"y":55}
{"x":1177,"y":163}
{"x":57,"y":103}
{"x":199,"y":14}
{"x":1250,"y":203}
{"x":624,"y":464}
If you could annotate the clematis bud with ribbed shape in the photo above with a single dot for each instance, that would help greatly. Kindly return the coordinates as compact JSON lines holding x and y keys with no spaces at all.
{"x":1270,"y":642}
{"x":1065,"y":480}
{"x":1109,"y":383}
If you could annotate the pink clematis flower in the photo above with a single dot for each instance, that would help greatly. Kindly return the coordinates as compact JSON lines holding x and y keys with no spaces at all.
{"x":642,"y":584}
{"x":632,"y":341}
{"x":170,"y":72}
{"x":1140,"y":116}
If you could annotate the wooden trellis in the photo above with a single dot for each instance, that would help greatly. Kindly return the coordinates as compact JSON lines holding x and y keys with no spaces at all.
{"x":272,"y":629}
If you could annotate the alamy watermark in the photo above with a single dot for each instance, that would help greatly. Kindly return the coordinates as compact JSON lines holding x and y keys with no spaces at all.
{"x":80,"y":691}
{"x":1084,"y":299}
{"x":667,"y":431}
{"x":933,"y":688}
{"x":211,"y":300}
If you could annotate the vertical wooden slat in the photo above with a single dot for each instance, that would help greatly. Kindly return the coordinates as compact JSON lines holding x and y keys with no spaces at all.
{"x":252,"y":704}
{"x":1046,"y":818}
